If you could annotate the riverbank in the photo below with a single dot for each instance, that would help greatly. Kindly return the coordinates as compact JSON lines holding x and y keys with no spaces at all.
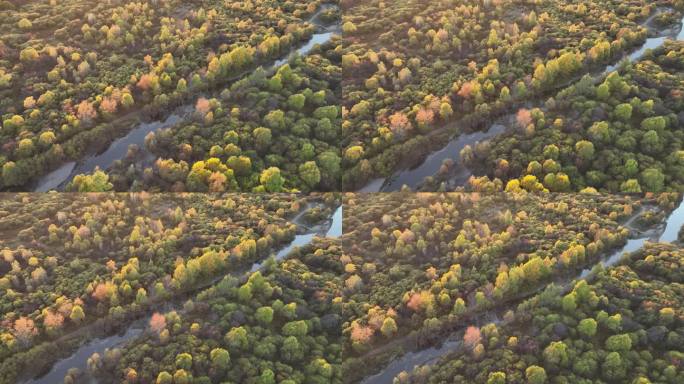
{"x":110,"y":141}
{"x":421,"y":347}
{"x":51,"y":361}
{"x":418,"y":160}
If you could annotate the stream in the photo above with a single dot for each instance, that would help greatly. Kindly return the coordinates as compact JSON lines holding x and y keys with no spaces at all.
{"x":408,"y":361}
{"x":427,"y":356}
{"x":433,"y":162}
{"x":332,"y":228}
{"x":415,"y":176}
{"x":117,"y":150}
{"x":79,"y":358}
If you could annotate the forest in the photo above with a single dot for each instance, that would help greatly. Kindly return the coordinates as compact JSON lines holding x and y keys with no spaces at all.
{"x":485,"y":286}
{"x":81,"y":267}
{"x":341,"y":192}
{"x":167,"y":95}
{"x":623,"y":326}
{"x":403,"y":287}
{"x":620,"y":135}
{"x":418,"y":75}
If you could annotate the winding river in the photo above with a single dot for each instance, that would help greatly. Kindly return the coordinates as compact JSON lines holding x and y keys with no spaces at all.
{"x":414,"y":177}
{"x":331,"y":227}
{"x":117,"y":150}
{"x":410,"y":360}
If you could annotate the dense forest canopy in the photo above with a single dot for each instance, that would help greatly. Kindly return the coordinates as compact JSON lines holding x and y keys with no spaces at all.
{"x":624,"y":326}
{"x":184,"y":191}
{"x":75,"y":265}
{"x":419,"y":268}
{"x":166,"y":288}
{"x":75,"y":75}
{"x":416,"y":74}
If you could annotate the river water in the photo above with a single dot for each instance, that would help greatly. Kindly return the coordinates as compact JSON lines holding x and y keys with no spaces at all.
{"x":79,"y":358}
{"x":415,"y":176}
{"x":332,"y":228}
{"x":434,"y":161}
{"x":410,"y":360}
{"x":55,"y":178}
{"x":59,"y":178}
{"x":427,"y":356}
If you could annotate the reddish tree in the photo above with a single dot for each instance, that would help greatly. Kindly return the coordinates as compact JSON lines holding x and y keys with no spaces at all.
{"x":203,"y":106}
{"x":157,"y":322}
{"x":425,"y":116}
{"x":100,"y":293}
{"x":53,"y":320}
{"x":108,"y":105}
{"x":360,"y":333}
{"x":146,"y":81}
{"x":24,"y":330}
{"x":524,"y":118}
{"x":418,"y":301}
{"x":86,"y":112}
{"x":399,"y":123}
{"x":466,"y":89}
{"x":472,"y":337}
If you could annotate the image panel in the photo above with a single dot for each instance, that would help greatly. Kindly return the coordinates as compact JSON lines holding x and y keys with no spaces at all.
{"x":170,"y":288}
{"x":544,"y":95}
{"x":169,"y":96}
{"x":524,"y":288}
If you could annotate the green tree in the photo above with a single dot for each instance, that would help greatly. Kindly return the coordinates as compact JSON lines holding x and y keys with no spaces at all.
{"x":535,"y":375}
{"x":241,"y":165}
{"x":631,"y":167}
{"x":556,"y":353}
{"x":245,"y":292}
{"x":264,"y":315}
{"x":623,"y":112}
{"x":496,"y":378}
{"x":585,"y":150}
{"x":569,"y":303}
{"x":613,"y":368}
{"x":237,"y":338}
{"x":603,"y":92}
{"x":657,"y":123}
{"x":181,"y":376}
{"x":296,"y":101}
{"x":310,"y":173}
{"x":77,"y":315}
{"x":619,"y":343}
{"x":272,"y":180}
{"x":184,"y":361}
{"x":295,"y":328}
{"x":267,"y":377}
{"x":587,"y":328}
{"x":651,"y":143}
{"x":586,"y":365}
{"x":291,"y":350}
{"x":262,"y":138}
{"x":389,"y":327}
{"x":97,"y":182}
{"x":13,"y":174}
{"x":330,"y":165}
{"x":164,"y":378}
{"x":141,"y":296}
{"x":630,"y":186}
{"x":220,"y":359}
{"x":275,"y":120}
{"x":653,"y":179}
{"x":459,"y":306}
